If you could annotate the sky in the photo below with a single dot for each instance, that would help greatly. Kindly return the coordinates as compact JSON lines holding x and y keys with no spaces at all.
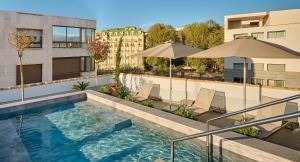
{"x":144,"y":13}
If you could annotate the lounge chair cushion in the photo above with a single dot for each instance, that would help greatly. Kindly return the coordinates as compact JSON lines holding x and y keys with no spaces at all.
{"x":204,"y":99}
{"x":270,"y":111}
{"x":144,"y":92}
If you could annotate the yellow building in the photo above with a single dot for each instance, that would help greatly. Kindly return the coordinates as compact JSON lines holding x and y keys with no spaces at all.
{"x":133,"y":41}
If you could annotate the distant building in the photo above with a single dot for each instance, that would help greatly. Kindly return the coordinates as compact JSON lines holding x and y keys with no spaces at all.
{"x":59,"y":50}
{"x":133,"y":41}
{"x":280,"y":27}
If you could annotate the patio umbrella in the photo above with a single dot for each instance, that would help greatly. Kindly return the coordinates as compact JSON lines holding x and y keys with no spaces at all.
{"x":170,"y":50}
{"x":247,"y":47}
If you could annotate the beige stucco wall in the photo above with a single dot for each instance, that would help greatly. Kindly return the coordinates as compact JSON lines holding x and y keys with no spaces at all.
{"x":9,"y":21}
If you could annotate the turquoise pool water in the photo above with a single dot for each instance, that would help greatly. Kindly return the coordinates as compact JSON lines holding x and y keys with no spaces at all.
{"x":85,"y":131}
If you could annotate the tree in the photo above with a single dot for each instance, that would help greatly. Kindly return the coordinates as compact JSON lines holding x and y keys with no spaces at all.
{"x":215,"y":38}
{"x":118,"y":59}
{"x":98,"y":51}
{"x":195,"y":35}
{"x":20,"y":40}
{"x":158,"y":34}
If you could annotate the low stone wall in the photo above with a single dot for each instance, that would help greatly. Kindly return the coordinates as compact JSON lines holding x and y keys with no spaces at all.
{"x":9,"y":94}
{"x":232,"y":93}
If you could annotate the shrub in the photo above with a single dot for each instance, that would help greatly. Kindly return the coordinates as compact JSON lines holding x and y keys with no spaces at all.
{"x":104,"y":89}
{"x":248,"y":131}
{"x":81,"y":86}
{"x":130,"y":97}
{"x":122,"y":93}
{"x":185,"y":113}
{"x":147,"y":103}
{"x":129,"y":69}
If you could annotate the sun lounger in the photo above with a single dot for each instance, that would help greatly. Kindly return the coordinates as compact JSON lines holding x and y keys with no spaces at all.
{"x":203,"y":101}
{"x":266,"y":130}
{"x":144,"y":92}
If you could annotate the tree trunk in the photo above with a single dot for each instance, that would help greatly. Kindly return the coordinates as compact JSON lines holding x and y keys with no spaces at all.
{"x":96,"y":74}
{"x":22,"y":79}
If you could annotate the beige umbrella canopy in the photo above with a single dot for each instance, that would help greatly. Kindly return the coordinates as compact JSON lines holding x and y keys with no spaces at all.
{"x":247,"y":47}
{"x":169,"y":50}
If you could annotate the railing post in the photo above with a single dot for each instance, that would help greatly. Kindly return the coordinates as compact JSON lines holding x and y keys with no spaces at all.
{"x":211,"y":148}
{"x":172,"y":151}
{"x":207,"y":142}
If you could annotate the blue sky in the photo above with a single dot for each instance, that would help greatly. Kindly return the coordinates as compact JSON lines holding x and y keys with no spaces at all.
{"x":142,"y":13}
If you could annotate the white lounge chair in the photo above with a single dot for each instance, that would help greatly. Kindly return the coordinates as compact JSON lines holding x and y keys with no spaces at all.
{"x":203,"y":101}
{"x":144,"y":92}
{"x":266,"y":130}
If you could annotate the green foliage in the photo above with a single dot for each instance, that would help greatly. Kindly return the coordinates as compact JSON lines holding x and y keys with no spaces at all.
{"x":125,"y":68}
{"x":118,"y":58}
{"x":105,"y":89}
{"x":185,"y":113}
{"x":122,"y":93}
{"x":195,"y":35}
{"x":158,"y":34}
{"x":131,"y":98}
{"x":147,"y":103}
{"x":204,"y":35}
{"x":81,"y":86}
{"x":248,"y":131}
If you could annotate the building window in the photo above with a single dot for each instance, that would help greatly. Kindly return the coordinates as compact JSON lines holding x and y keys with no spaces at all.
{"x":276,"y":67}
{"x":239,"y":35}
{"x":258,"y":35}
{"x":238,"y":80}
{"x":257,"y":81}
{"x":254,"y":24}
{"x":276,"y":34}
{"x":257,"y":66}
{"x":239,"y":65}
{"x":87,"y":64}
{"x":38,"y":37}
{"x":276,"y":83}
{"x":71,"y":37}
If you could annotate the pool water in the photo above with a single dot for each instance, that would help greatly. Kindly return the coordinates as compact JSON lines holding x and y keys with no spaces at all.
{"x":85,"y":131}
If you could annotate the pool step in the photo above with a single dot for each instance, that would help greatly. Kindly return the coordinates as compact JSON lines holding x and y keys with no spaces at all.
{"x":122,"y":125}
{"x":11,"y":144}
{"x":159,"y":160}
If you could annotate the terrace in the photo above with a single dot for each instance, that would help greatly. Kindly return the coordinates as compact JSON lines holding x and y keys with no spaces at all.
{"x":280,"y":146}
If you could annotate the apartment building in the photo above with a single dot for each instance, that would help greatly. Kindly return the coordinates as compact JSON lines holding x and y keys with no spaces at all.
{"x":59,"y":50}
{"x":280,"y":27}
{"x":133,"y":41}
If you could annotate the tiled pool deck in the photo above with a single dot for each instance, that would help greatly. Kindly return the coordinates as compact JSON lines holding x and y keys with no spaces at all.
{"x":248,"y":147}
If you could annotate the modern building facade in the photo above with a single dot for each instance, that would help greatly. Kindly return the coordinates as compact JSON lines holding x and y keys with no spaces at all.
{"x":59,"y":50}
{"x":133,"y":41}
{"x":280,"y":27}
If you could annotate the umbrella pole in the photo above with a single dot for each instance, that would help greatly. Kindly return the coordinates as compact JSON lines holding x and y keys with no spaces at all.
{"x":245,"y":88}
{"x":170,"y":99}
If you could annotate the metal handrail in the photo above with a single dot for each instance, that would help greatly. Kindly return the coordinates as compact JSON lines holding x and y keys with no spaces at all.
{"x":210,"y":144}
{"x":230,"y":128}
{"x":275,"y":102}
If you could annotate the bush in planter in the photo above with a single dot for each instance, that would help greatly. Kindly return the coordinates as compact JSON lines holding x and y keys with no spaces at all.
{"x":105,"y":89}
{"x":248,"y":131}
{"x":185,"y":113}
{"x":147,"y":103}
{"x":130,"y":97}
{"x":81,"y":86}
{"x":122,"y":93}
{"x":126,"y":68}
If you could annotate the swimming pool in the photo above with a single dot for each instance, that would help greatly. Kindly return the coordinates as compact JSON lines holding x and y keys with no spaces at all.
{"x":86,"y":131}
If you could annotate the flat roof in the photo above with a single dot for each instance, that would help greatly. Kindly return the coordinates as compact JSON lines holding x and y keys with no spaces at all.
{"x":37,"y":14}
